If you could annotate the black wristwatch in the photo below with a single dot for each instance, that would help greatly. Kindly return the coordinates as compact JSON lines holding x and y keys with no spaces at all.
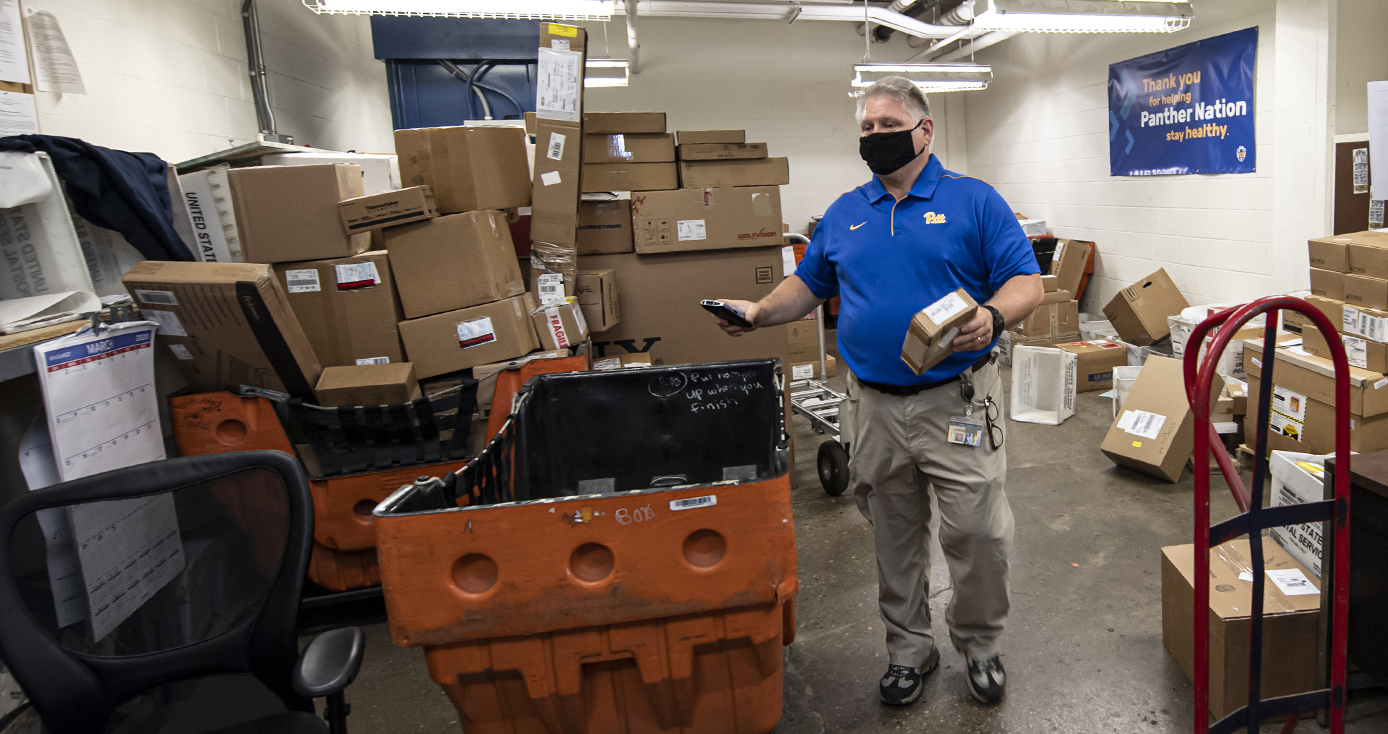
{"x":999,"y":323}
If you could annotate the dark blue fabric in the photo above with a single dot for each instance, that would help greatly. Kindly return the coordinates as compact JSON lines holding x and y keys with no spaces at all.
{"x":126,"y":192}
{"x":888,"y":259}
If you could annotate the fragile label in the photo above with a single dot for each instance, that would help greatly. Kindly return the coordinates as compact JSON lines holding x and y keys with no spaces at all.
{"x":690,"y":503}
{"x":1288,"y":403}
{"x":1357,"y":350}
{"x":301,"y":281}
{"x":373,"y":360}
{"x":1292,"y":582}
{"x":549,"y":178}
{"x":357,"y":275}
{"x":550,"y":287}
{"x":801,"y":371}
{"x":180,"y":351}
{"x":555,"y":150}
{"x":160,"y":298}
{"x":944,"y":309}
{"x":169,"y":325}
{"x":476,"y":332}
{"x":1141,"y":423}
{"x":690,"y":229}
{"x":555,"y":322}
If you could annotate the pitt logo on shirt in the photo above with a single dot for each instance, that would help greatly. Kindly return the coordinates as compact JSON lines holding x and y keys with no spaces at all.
{"x":933,"y":218}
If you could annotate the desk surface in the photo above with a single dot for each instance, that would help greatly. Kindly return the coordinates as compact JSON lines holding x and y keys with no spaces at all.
{"x":16,"y":350}
{"x":1369,"y":471}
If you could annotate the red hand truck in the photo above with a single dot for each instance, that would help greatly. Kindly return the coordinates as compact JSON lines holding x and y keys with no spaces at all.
{"x":1334,"y":510}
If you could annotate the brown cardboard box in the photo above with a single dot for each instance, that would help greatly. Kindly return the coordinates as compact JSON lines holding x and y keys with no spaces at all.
{"x":558,"y":163}
{"x":289,"y":213}
{"x":931,"y":334}
{"x":388,"y":209}
{"x":749,"y":172}
{"x":660,"y":298}
{"x":469,"y":168}
{"x":1096,"y":362}
{"x":1050,"y":319}
{"x":1367,"y":253}
{"x":1056,"y":297}
{"x":560,"y":325}
{"x":706,"y":219}
{"x":229,"y":325}
{"x":1329,"y":253}
{"x":1365,"y":323}
{"x":599,"y":177}
{"x":368,"y":384}
{"x":1328,"y":284}
{"x":1049,"y":284}
{"x":1304,"y":424}
{"x":802,"y":338}
{"x":468,"y":337}
{"x":604,"y":227}
{"x":1068,"y":264}
{"x":1163,"y":436}
{"x":453,"y":262}
{"x":721,"y":152}
{"x":1239,"y":394}
{"x":1361,"y":290}
{"x":597,"y":294}
{"x":608,"y":123}
{"x":1290,"y":623}
{"x":810,"y":370}
{"x":1333,"y":310}
{"x":1362,"y":353}
{"x":1139,"y":311}
{"x":529,"y":118}
{"x":634,"y":148}
{"x":1314,"y":377}
{"x":347,"y":307}
{"x":699,"y":137}
{"x":624,"y":360}
{"x":553,"y":271}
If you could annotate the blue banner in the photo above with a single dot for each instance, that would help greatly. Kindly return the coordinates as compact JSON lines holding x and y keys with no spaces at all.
{"x":1187,"y":109}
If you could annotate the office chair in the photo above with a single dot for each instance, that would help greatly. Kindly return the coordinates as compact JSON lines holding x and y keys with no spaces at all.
{"x":124,"y":592}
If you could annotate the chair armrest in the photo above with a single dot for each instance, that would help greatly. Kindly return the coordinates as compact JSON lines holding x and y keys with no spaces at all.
{"x":330,"y":662}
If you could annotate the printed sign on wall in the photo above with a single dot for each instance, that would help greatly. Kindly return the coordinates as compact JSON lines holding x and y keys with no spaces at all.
{"x":1187,"y":109}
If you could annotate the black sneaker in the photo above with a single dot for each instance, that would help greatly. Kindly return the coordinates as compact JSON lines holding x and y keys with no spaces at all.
{"x":987,"y":681}
{"x":903,"y":685}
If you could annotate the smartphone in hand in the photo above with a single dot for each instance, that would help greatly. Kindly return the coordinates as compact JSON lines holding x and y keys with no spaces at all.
{"x":725,"y":312}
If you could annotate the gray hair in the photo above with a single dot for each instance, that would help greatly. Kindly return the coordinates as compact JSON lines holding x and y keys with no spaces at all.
{"x":901,"y":89}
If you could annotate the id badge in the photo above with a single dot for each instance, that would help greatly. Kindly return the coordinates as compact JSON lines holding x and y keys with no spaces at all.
{"x":964,"y":431}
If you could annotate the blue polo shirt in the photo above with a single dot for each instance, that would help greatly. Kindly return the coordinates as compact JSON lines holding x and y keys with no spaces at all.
{"x":888,"y":259}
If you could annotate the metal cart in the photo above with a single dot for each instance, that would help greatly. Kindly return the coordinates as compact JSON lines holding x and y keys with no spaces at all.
{"x":819,"y":403}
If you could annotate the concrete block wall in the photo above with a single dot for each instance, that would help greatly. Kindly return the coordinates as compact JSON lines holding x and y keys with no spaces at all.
{"x":169,"y":77}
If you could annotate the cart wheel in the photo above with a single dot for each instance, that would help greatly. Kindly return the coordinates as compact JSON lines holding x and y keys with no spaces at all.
{"x":833,"y":467}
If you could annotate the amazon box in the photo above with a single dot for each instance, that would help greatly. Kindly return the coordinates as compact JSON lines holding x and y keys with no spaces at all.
{"x":468,"y":168}
{"x":1328,"y":284}
{"x":469,"y":337}
{"x":348,"y":308}
{"x":1367,"y":253}
{"x":561,"y":324}
{"x":597,"y":295}
{"x":1068,"y":264}
{"x":721,"y":152}
{"x":1291,"y":619}
{"x":706,"y":219}
{"x":747,"y":172}
{"x":1139,"y":311}
{"x":1366,"y":292}
{"x":610,"y":123}
{"x":599,"y":177}
{"x":1330,"y":253}
{"x":453,"y":262}
{"x":229,"y":325}
{"x":370,"y":384}
{"x":1096,"y":360}
{"x":378,"y":211}
{"x":660,"y":313}
{"x":290,"y":213}
{"x":632,"y":148}
{"x":933,"y":329}
{"x":1155,"y":433}
{"x":604,"y":226}
{"x":698,"y":137}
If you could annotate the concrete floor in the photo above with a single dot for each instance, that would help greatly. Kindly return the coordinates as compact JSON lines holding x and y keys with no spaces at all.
{"x":1083,"y":649}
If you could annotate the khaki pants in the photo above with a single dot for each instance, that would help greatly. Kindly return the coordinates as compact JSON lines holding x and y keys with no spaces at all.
{"x":898,"y":453}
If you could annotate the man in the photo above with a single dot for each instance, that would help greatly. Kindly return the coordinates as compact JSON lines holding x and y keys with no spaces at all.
{"x":907,"y":238}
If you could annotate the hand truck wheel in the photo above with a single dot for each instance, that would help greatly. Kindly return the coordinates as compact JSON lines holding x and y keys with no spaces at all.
{"x":832,"y":464}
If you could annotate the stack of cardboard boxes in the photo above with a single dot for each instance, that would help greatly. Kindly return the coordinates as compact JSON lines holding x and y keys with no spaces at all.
{"x":1057,"y":319}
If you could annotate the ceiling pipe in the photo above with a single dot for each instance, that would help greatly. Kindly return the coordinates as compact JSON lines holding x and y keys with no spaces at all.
{"x":633,"y":46}
{"x":961,"y":15}
{"x":980,"y":43}
{"x":786,"y":11}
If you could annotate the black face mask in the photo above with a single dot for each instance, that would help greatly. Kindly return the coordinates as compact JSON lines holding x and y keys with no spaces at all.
{"x":886,"y":153}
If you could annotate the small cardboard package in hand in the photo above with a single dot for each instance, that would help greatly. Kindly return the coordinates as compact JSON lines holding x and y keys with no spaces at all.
{"x":934,"y":328}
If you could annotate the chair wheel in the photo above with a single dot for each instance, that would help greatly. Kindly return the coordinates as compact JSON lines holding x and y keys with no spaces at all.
{"x":833,"y":467}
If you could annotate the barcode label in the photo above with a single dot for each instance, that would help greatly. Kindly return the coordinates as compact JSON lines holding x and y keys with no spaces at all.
{"x":1292,"y":582}
{"x":162,"y":298}
{"x":690,"y":503}
{"x":801,"y":371}
{"x":373,"y":360}
{"x":691,"y":229}
{"x":550,"y":287}
{"x":301,"y":281}
{"x":942,"y":310}
{"x":357,"y":275}
{"x":556,"y":147}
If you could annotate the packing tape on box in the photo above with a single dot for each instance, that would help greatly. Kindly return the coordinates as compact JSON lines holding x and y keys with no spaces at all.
{"x":1237,"y":563}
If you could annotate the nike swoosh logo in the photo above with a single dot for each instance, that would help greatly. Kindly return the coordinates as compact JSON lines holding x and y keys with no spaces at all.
{"x":855,"y":226}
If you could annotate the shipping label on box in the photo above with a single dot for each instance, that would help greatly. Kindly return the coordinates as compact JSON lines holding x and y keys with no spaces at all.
{"x":469,"y":337}
{"x":1155,"y":433}
{"x":1043,"y":385}
{"x":930,"y":336}
{"x":706,"y":219}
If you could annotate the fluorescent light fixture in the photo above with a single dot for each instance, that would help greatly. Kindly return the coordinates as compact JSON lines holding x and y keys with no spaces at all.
{"x":606,"y":72}
{"x":928,"y":77}
{"x":529,"y":9}
{"x":1082,"y":16}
